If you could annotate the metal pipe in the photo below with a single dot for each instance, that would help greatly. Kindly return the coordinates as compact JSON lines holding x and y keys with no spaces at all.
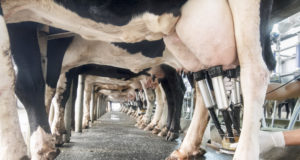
{"x":92,"y":105}
{"x":68,"y":115}
{"x":79,"y":104}
{"x":215,"y":74}
{"x":220,"y":95}
{"x":206,"y":94}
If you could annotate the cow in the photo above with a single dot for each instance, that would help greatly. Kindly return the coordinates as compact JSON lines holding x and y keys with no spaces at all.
{"x":57,"y":50}
{"x":31,"y":29}
{"x":34,"y":80}
{"x":66,"y":42}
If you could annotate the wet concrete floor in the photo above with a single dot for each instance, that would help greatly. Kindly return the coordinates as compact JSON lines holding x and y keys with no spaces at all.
{"x":114,"y":137}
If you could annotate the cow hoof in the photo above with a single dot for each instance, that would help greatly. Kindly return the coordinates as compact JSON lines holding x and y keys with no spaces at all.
{"x":85,"y":125}
{"x":66,"y":138}
{"x":142,"y":126}
{"x":25,"y":158}
{"x":163,"y":132}
{"x":149,"y":128}
{"x":171,"y":136}
{"x":42,"y":145}
{"x":52,"y":155}
{"x":59,"y":140}
{"x":155,"y":131}
{"x":177,"y":155}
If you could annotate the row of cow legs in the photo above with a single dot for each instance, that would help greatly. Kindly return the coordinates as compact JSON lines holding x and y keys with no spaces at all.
{"x":88,"y":107}
{"x":158,"y":121}
{"x":190,"y":145}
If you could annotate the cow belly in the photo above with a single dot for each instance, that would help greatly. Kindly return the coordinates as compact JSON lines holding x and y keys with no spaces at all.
{"x":206,"y":29}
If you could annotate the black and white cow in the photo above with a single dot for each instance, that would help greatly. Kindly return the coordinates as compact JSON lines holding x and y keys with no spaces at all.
{"x":195,"y":53}
{"x":27,"y":47}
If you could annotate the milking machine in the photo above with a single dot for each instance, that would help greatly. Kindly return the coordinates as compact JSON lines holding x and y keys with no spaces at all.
{"x":201,"y":78}
{"x":216,"y":75}
{"x":228,"y":105}
{"x":235,"y":95}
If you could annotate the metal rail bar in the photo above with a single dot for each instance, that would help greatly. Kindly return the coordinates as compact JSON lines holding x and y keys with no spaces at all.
{"x":60,"y":35}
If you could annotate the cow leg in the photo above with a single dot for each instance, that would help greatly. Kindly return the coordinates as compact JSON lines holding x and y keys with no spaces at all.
{"x":158,"y":110}
{"x":61,"y":97}
{"x":74,"y":95}
{"x":279,"y":110}
{"x":68,"y":113}
{"x":150,"y":97}
{"x":49,"y":94}
{"x":178,"y":95}
{"x":56,"y":49}
{"x":93,"y":105}
{"x":79,"y":104}
{"x":174,"y":89}
{"x":171,"y":105}
{"x":193,"y":138}
{"x":254,"y":74}
{"x":30,"y":87}
{"x":288,"y":109}
{"x":86,"y":105}
{"x":12,"y":144}
{"x":161,"y":127}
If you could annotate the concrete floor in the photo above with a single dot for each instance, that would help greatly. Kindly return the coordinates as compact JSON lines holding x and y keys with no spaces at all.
{"x":114,"y":137}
